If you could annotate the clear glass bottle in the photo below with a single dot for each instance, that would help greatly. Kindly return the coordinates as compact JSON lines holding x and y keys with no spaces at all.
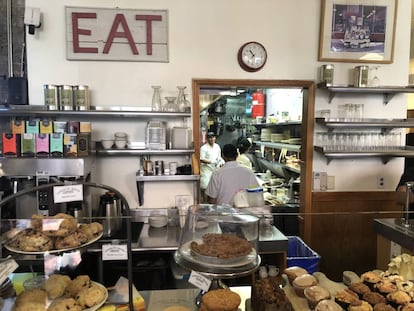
{"x":181,"y":101}
{"x":171,"y":105}
{"x":156,"y":98}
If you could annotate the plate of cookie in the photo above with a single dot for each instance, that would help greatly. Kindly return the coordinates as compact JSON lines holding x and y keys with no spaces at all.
{"x":53,"y":234}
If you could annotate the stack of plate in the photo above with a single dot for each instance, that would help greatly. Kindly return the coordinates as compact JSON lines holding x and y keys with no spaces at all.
{"x":265,"y":135}
{"x":276,"y":137}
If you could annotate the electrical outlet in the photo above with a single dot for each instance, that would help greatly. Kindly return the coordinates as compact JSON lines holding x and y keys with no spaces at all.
{"x":380,"y":182}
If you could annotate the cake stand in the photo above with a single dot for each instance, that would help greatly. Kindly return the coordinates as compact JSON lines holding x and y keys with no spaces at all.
{"x":205,"y":219}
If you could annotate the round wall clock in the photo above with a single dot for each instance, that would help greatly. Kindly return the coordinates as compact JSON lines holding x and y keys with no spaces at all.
{"x":252,"y":56}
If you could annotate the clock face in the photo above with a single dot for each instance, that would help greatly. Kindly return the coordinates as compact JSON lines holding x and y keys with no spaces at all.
{"x":252,"y":56}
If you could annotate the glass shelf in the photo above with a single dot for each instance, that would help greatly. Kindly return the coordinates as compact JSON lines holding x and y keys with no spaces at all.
{"x":269,"y":144}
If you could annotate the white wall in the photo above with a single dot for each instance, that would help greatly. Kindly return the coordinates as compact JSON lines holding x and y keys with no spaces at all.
{"x":204,"y":37}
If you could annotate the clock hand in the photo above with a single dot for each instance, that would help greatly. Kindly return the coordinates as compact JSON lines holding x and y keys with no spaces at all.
{"x":252,"y":53}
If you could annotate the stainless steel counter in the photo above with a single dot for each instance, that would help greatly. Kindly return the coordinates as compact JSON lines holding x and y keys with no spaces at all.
{"x":393,"y":230}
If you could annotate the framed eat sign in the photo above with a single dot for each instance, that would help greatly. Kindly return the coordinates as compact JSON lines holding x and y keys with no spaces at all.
{"x":116,"y":34}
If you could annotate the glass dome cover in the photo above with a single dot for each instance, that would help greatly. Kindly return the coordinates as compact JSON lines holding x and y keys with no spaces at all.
{"x":219,"y":240}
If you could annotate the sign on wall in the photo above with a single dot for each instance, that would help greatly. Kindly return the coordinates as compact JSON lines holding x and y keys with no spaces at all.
{"x":116,"y":34}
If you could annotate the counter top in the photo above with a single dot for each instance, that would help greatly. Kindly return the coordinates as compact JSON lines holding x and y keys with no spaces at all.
{"x":393,"y":230}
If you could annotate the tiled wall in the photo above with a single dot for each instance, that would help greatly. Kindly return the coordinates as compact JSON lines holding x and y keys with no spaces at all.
{"x":18,"y":40}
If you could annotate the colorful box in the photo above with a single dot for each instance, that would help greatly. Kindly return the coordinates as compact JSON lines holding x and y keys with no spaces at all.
{"x":11,"y":144}
{"x":42,"y":145}
{"x":46,"y":126}
{"x":28,"y":145}
{"x":32,"y":126}
{"x":56,"y":145}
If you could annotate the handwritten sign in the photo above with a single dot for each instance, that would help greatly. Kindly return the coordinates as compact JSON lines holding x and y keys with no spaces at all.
{"x":116,"y":34}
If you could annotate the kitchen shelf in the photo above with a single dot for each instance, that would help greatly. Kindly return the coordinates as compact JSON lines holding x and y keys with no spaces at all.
{"x":289,"y":147}
{"x":40,"y":111}
{"x":384,"y":124}
{"x":287,"y":123}
{"x":385,"y":155}
{"x":195,"y":179}
{"x":138,"y":152}
{"x":388,"y":92}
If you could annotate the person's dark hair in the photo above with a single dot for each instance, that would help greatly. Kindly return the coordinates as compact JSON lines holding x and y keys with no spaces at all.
{"x":243,"y":145}
{"x":230,"y":151}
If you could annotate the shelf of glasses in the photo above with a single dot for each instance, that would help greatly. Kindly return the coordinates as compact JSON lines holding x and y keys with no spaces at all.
{"x":275,"y":145}
{"x":383,"y":124}
{"x":388,"y":92}
{"x":385,"y":154}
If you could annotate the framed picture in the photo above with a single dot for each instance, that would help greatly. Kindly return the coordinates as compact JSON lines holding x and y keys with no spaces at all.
{"x":357,"y":31}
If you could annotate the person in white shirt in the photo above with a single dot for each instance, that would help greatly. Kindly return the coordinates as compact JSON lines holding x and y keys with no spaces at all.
{"x":210,"y":160}
{"x":229,"y":179}
{"x":244,"y":146}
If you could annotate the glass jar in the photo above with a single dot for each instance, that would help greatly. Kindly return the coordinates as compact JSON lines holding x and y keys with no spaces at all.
{"x":171,"y":105}
{"x":156,"y":98}
{"x":181,"y":101}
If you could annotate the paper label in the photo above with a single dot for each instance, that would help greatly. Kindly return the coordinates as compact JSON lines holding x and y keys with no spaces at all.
{"x":199,"y":281}
{"x":114,"y":252}
{"x":7,"y":267}
{"x":68,"y":193}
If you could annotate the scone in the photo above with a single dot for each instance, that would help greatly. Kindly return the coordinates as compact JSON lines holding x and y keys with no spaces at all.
{"x":55,"y":285}
{"x":96,"y":229}
{"x":345,"y":297}
{"x":398,"y":298}
{"x":302,"y":282}
{"x":373,"y":298}
{"x":360,"y":305}
{"x":90,"y":296}
{"x":328,"y":305}
{"x":383,"y":307}
{"x":69,"y":241}
{"x":33,"y":241}
{"x":75,"y":286}
{"x":370,"y":278}
{"x":220,"y":300}
{"x":314,"y":294}
{"x":32,"y":299}
{"x":407,"y":307}
{"x":66,"y":225}
{"x":64,"y":304}
{"x":293,"y":272}
{"x":359,"y":288}
{"x":385,"y":287}
{"x":30,"y":306}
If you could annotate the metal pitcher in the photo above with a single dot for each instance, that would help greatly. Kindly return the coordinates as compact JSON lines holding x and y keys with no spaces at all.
{"x":110,"y":208}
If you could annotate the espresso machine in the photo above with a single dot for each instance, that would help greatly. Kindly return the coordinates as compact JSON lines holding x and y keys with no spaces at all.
{"x":26,"y":173}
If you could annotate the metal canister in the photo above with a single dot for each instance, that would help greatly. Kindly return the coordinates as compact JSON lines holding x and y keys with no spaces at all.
{"x":159,"y":167}
{"x":51,"y":94}
{"x":65,"y":97}
{"x":361,"y":76}
{"x":81,"y":97}
{"x":327,"y":74}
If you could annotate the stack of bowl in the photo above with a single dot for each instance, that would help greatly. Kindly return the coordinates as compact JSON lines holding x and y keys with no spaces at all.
{"x":121,"y":140}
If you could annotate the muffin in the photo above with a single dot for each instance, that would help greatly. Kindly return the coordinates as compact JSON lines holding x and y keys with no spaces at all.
{"x":302,"y":282}
{"x":398,"y":298}
{"x":407,"y":307}
{"x":314,"y":294}
{"x":373,"y":298}
{"x":359,"y":288}
{"x":345,"y":297}
{"x":382,"y":306}
{"x":360,"y":305}
{"x":385,"y":287}
{"x":327,"y":305}
{"x":293,"y":272}
{"x":370,"y":278}
{"x":220,"y":300}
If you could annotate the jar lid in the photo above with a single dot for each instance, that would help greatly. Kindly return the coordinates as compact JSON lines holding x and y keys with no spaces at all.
{"x":258,"y":189}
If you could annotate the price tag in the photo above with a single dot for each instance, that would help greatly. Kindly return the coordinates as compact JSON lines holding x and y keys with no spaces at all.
{"x":68,"y":193}
{"x":199,"y":281}
{"x":114,"y":252}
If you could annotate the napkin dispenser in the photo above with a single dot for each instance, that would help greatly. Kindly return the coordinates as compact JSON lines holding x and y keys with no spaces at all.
{"x":181,"y":138}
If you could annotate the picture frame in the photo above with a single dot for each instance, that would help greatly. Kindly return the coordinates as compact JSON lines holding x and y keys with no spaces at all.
{"x":357,"y":31}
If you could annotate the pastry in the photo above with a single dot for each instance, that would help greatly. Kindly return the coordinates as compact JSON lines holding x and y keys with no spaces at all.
{"x":76,"y":285}
{"x":55,"y":285}
{"x":267,"y":295}
{"x":90,"y":296}
{"x":345,"y":297}
{"x":32,"y":299}
{"x":96,"y":229}
{"x":373,"y":298}
{"x":359,"y":288}
{"x":398,"y":298}
{"x":302,"y":282}
{"x":370,"y":278}
{"x":293,"y":272}
{"x":34,"y":241}
{"x":223,"y":246}
{"x":382,"y":306}
{"x":314,"y":294}
{"x":360,"y":305}
{"x":69,"y":241}
{"x":385,"y":287}
{"x":65,"y":225}
{"x":220,"y":300}
{"x":64,"y":304}
{"x":407,"y":307}
{"x":30,"y":306}
{"x":328,"y":305}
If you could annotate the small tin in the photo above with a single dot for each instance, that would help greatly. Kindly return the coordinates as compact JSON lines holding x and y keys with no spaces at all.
{"x":81,"y":97}
{"x":327,"y":74}
{"x":159,"y":167}
{"x":361,"y":76}
{"x":65,"y":97}
{"x":51,"y":94}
